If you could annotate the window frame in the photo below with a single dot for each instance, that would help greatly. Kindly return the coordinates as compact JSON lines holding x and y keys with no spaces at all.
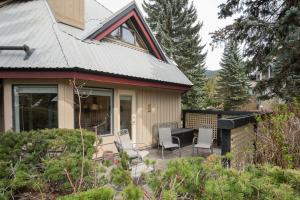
{"x":111,"y":110}
{"x":30,"y":85}
{"x":120,"y":35}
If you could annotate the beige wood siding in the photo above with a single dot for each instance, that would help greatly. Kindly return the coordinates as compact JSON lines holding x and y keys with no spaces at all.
{"x":242,"y":139}
{"x":1,"y":107}
{"x":70,"y":12}
{"x":165,"y":107}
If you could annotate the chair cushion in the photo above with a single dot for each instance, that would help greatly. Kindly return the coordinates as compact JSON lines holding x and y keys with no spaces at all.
{"x":168,"y":145}
{"x":131,"y":153}
{"x":203,"y":145}
{"x":136,"y":154}
{"x":139,"y":169}
{"x":143,"y":154}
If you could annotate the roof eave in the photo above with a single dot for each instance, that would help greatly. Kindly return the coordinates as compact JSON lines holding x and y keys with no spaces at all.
{"x":90,"y":75}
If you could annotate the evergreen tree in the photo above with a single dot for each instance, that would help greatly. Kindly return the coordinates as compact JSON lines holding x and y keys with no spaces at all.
{"x":175,"y":25}
{"x":233,"y":86}
{"x":270,"y":30}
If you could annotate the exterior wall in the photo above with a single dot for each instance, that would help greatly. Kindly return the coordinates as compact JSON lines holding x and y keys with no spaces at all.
{"x":69,"y":12}
{"x":1,"y":107}
{"x":242,"y":148}
{"x":153,"y":106}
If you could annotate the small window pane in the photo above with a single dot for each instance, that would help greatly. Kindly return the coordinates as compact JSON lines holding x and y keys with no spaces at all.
{"x":35,"y":107}
{"x":96,"y":110}
{"x":116,"y":33}
{"x":128,"y":36}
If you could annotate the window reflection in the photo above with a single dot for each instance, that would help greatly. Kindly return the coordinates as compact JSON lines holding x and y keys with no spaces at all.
{"x":96,"y":106}
{"x":35,"y":107}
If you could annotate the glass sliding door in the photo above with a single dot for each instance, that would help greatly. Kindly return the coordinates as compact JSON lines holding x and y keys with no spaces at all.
{"x":35,"y":107}
{"x":96,"y":106}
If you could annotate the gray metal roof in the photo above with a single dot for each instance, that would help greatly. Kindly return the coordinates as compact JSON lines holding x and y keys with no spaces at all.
{"x":61,"y":46}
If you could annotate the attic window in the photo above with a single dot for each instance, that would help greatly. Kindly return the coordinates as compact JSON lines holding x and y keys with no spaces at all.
{"x":127,"y":34}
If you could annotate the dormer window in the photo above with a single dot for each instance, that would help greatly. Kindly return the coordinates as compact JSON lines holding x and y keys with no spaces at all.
{"x":127,"y":34}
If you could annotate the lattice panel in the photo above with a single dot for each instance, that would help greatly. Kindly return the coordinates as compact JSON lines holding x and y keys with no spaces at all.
{"x":200,"y":120}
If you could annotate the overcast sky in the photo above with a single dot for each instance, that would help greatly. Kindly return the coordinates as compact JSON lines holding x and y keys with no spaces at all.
{"x":207,"y":13}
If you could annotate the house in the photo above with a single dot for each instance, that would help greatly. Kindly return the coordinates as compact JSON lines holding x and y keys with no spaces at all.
{"x":125,"y":79}
{"x":263,"y":75}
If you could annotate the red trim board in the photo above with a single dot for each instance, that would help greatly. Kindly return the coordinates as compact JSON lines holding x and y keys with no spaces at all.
{"x":90,"y":77}
{"x":134,"y":14}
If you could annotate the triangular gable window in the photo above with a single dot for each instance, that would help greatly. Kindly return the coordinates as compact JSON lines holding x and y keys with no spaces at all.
{"x":130,"y":27}
{"x":128,"y":34}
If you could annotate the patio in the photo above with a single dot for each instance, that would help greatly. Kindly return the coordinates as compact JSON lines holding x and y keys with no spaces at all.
{"x":186,"y":151}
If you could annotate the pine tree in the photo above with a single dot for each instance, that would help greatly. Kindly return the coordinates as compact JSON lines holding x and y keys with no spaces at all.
{"x":270,"y":30}
{"x":176,"y":27}
{"x":233,"y":86}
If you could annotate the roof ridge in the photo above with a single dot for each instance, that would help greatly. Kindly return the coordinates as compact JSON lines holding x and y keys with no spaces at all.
{"x":104,"y":6}
{"x":54,"y":23}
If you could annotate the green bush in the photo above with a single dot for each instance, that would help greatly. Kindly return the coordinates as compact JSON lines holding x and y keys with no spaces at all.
{"x":94,"y":194}
{"x":195,"y":178}
{"x":132,"y":192}
{"x":278,"y":136}
{"x":120,"y":177}
{"x":37,"y":160}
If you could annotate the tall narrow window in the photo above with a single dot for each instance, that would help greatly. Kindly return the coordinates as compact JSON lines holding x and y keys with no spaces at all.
{"x":96,"y":114}
{"x":35,"y":107}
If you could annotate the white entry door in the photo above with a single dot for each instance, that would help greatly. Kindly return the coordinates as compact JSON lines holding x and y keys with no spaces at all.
{"x":128,"y":112}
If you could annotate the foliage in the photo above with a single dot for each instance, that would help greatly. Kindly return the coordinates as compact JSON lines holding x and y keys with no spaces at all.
{"x":103,"y":193}
{"x":195,"y":178}
{"x":233,"y":86}
{"x":211,"y":87}
{"x":279,"y":136}
{"x":270,"y":30}
{"x":120,"y":177}
{"x":177,"y":28}
{"x":38,"y":160}
{"x":132,"y":192}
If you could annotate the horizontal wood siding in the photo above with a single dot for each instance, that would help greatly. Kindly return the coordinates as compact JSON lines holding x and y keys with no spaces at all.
{"x":165,"y":107}
{"x":242,"y":139}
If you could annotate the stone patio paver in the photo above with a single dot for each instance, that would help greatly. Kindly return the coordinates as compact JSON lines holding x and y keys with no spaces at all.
{"x":186,"y":151}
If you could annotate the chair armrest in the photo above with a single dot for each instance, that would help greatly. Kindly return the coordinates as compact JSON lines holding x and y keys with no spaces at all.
{"x":195,"y":139}
{"x":178,"y":140}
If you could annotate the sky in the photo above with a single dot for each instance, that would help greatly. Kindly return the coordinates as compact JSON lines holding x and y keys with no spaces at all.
{"x":207,"y":13}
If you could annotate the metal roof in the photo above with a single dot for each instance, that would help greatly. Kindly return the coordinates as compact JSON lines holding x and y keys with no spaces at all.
{"x":63,"y":47}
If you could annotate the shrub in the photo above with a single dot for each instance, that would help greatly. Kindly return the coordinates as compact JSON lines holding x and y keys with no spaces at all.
{"x":132,"y":192}
{"x":103,"y":193}
{"x":278,"y":136}
{"x":120,"y":177}
{"x":195,"y":178}
{"x":37,"y":160}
